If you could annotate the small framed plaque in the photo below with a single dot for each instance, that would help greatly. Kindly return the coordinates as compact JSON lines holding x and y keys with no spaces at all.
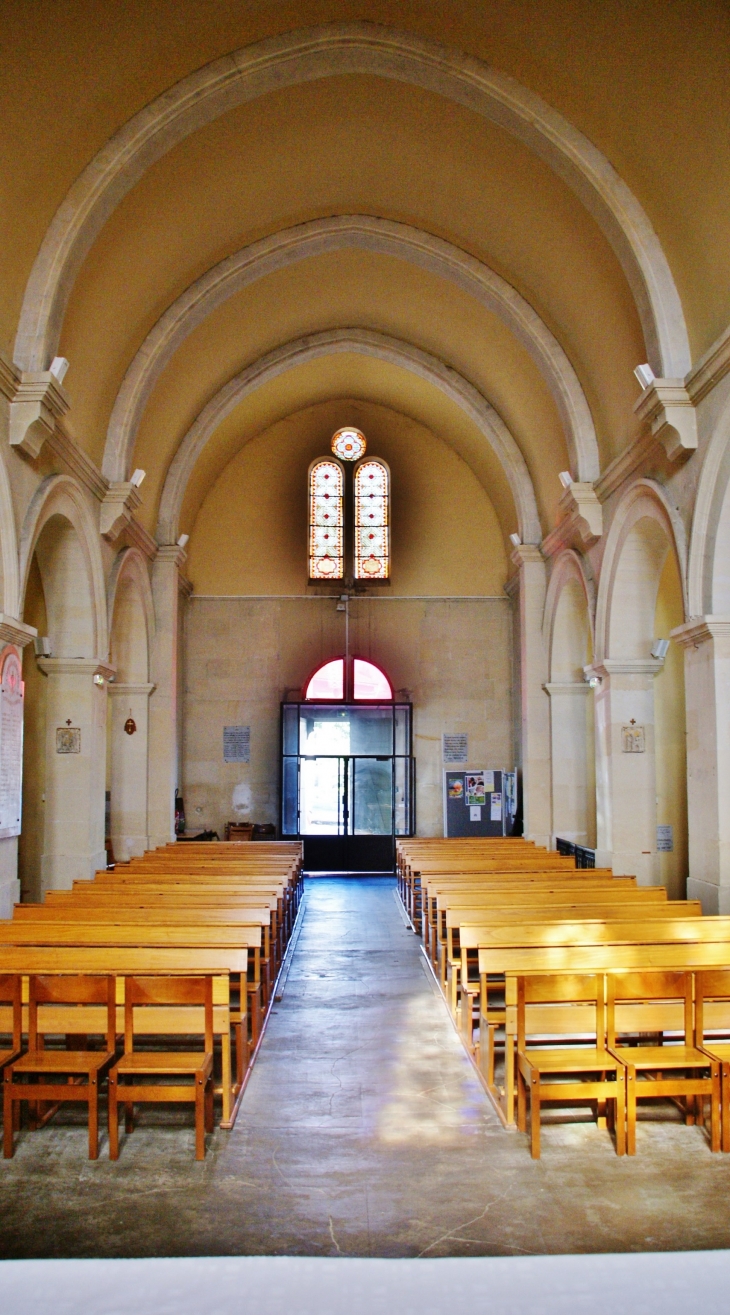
{"x":455,"y":748}
{"x":237,"y":744}
{"x":68,"y":739}
{"x":633,"y":739}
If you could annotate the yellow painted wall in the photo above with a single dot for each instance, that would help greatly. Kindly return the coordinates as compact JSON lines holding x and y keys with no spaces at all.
{"x":250,"y":533}
{"x":670,"y":735}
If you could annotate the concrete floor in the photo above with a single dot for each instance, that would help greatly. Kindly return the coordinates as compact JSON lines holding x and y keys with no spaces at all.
{"x":364,"y":1132}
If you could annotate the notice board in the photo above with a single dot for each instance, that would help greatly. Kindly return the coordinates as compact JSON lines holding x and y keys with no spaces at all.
{"x":478,"y":802}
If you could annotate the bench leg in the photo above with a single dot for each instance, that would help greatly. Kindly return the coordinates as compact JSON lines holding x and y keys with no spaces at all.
{"x":715,"y":1136}
{"x":535,"y":1116}
{"x":113,"y":1118}
{"x":8,"y":1115}
{"x":93,"y":1118}
{"x":200,"y":1085}
{"x":521,"y":1102}
{"x":630,"y":1110}
{"x":725,"y":1098}
{"x":620,"y":1114}
{"x":209,"y":1107}
{"x":128,"y":1117}
{"x":226,"y":1076}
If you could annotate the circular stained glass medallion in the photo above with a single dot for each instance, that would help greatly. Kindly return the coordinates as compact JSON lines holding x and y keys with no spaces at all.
{"x":349,"y":444}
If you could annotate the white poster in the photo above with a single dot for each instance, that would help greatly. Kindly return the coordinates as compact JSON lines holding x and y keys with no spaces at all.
{"x":664,"y":840}
{"x":495,"y":811}
{"x":475,"y":814}
{"x":11,"y":745}
{"x":455,"y":748}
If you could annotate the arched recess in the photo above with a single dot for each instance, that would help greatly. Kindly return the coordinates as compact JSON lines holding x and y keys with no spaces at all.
{"x":569,"y":607}
{"x":333,"y":234}
{"x":59,"y":498}
{"x":9,"y":584}
{"x":333,"y":50}
{"x":708,"y":582}
{"x":640,"y":705}
{"x":64,"y":789}
{"x":131,"y":630}
{"x":369,"y":343}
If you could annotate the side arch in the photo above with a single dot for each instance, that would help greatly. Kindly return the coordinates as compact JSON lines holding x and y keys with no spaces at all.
{"x":643,"y":500}
{"x":711,"y":516}
{"x":60,"y":495}
{"x":333,"y":234}
{"x":130,"y":566}
{"x":368,"y":343}
{"x":9,"y":576}
{"x":566,"y":567}
{"x":333,"y":50}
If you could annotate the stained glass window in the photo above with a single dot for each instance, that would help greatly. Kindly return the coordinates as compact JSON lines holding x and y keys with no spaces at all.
{"x":369,"y":682}
{"x":349,"y":444}
{"x":328,"y":682}
{"x":326,"y":486}
{"x":372,"y":530}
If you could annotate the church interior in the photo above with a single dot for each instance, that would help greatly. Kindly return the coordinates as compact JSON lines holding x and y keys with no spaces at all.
{"x":479,"y":254}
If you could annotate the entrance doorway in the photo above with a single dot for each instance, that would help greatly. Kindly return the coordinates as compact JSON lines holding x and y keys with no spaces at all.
{"x":347,"y":780}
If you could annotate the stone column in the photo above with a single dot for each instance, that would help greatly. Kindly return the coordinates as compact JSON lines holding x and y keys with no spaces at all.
{"x":626,"y":781}
{"x":706,"y":642}
{"x":18,"y":634}
{"x":535,"y":707}
{"x":570,"y":780}
{"x":129,"y":770}
{"x":163,"y":704}
{"x":73,"y":842}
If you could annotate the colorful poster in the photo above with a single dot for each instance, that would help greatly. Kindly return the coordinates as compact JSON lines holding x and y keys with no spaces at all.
{"x":475,"y":793}
{"x":456,"y":788}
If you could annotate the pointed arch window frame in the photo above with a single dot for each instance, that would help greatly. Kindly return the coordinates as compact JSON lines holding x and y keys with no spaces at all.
{"x":314,"y":522}
{"x":359,"y":526}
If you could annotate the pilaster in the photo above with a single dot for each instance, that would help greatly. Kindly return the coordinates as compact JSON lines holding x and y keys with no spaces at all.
{"x":129,"y":769}
{"x":163,"y":703}
{"x":535,"y":708}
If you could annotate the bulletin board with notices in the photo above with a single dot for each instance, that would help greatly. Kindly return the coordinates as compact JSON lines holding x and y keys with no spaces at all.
{"x":479,"y":802}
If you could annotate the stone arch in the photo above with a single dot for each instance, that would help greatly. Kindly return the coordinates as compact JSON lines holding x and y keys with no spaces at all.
{"x":129,"y":596}
{"x":324,"y":235}
{"x":644,"y":529}
{"x":708,"y":584}
{"x":60,"y":522}
{"x":333,"y":50}
{"x":568,"y":573}
{"x":368,"y":343}
{"x":569,"y":643}
{"x":131,"y":630}
{"x":9,"y":579}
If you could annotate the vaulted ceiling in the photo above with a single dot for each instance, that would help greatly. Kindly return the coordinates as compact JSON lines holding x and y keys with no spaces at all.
{"x":497,"y":281}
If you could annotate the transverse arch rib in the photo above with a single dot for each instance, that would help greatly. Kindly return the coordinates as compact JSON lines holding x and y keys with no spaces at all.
{"x":317,"y":238}
{"x":368,"y":343}
{"x":333,"y":50}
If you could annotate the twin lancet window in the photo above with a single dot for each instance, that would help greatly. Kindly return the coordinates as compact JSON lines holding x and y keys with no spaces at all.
{"x":371,"y":512}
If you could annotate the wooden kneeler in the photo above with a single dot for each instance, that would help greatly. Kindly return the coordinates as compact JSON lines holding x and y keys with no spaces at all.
{"x":191,"y":1071}
{"x":57,"y":1076}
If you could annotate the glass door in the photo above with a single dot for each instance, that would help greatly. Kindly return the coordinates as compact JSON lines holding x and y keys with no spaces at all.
{"x":347,"y":780}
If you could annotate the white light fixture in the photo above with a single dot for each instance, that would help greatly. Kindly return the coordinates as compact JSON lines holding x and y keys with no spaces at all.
{"x":660,"y":649}
{"x":137,"y":478}
{"x":59,"y":366}
{"x":42,"y":646}
{"x":98,"y":678}
{"x":566,"y":479}
{"x":183,"y":540}
{"x":591,"y":679}
{"x":515,"y":540}
{"x":645,"y":375}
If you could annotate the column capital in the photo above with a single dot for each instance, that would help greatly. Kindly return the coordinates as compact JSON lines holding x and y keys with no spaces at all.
{"x":647,"y":666}
{"x":63,"y":666}
{"x":667,"y":408}
{"x":128,"y":690}
{"x":13,"y":631}
{"x":119,"y":505}
{"x":527,"y":554}
{"x":699,"y":629}
{"x":171,"y":554}
{"x":556,"y":687}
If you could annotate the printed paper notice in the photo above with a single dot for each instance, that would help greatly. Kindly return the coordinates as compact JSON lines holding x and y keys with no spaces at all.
{"x":495,"y":811}
{"x":475,"y":789}
{"x":475,"y":814}
{"x":455,"y":748}
{"x":237,"y":744}
{"x":665,"y":840}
